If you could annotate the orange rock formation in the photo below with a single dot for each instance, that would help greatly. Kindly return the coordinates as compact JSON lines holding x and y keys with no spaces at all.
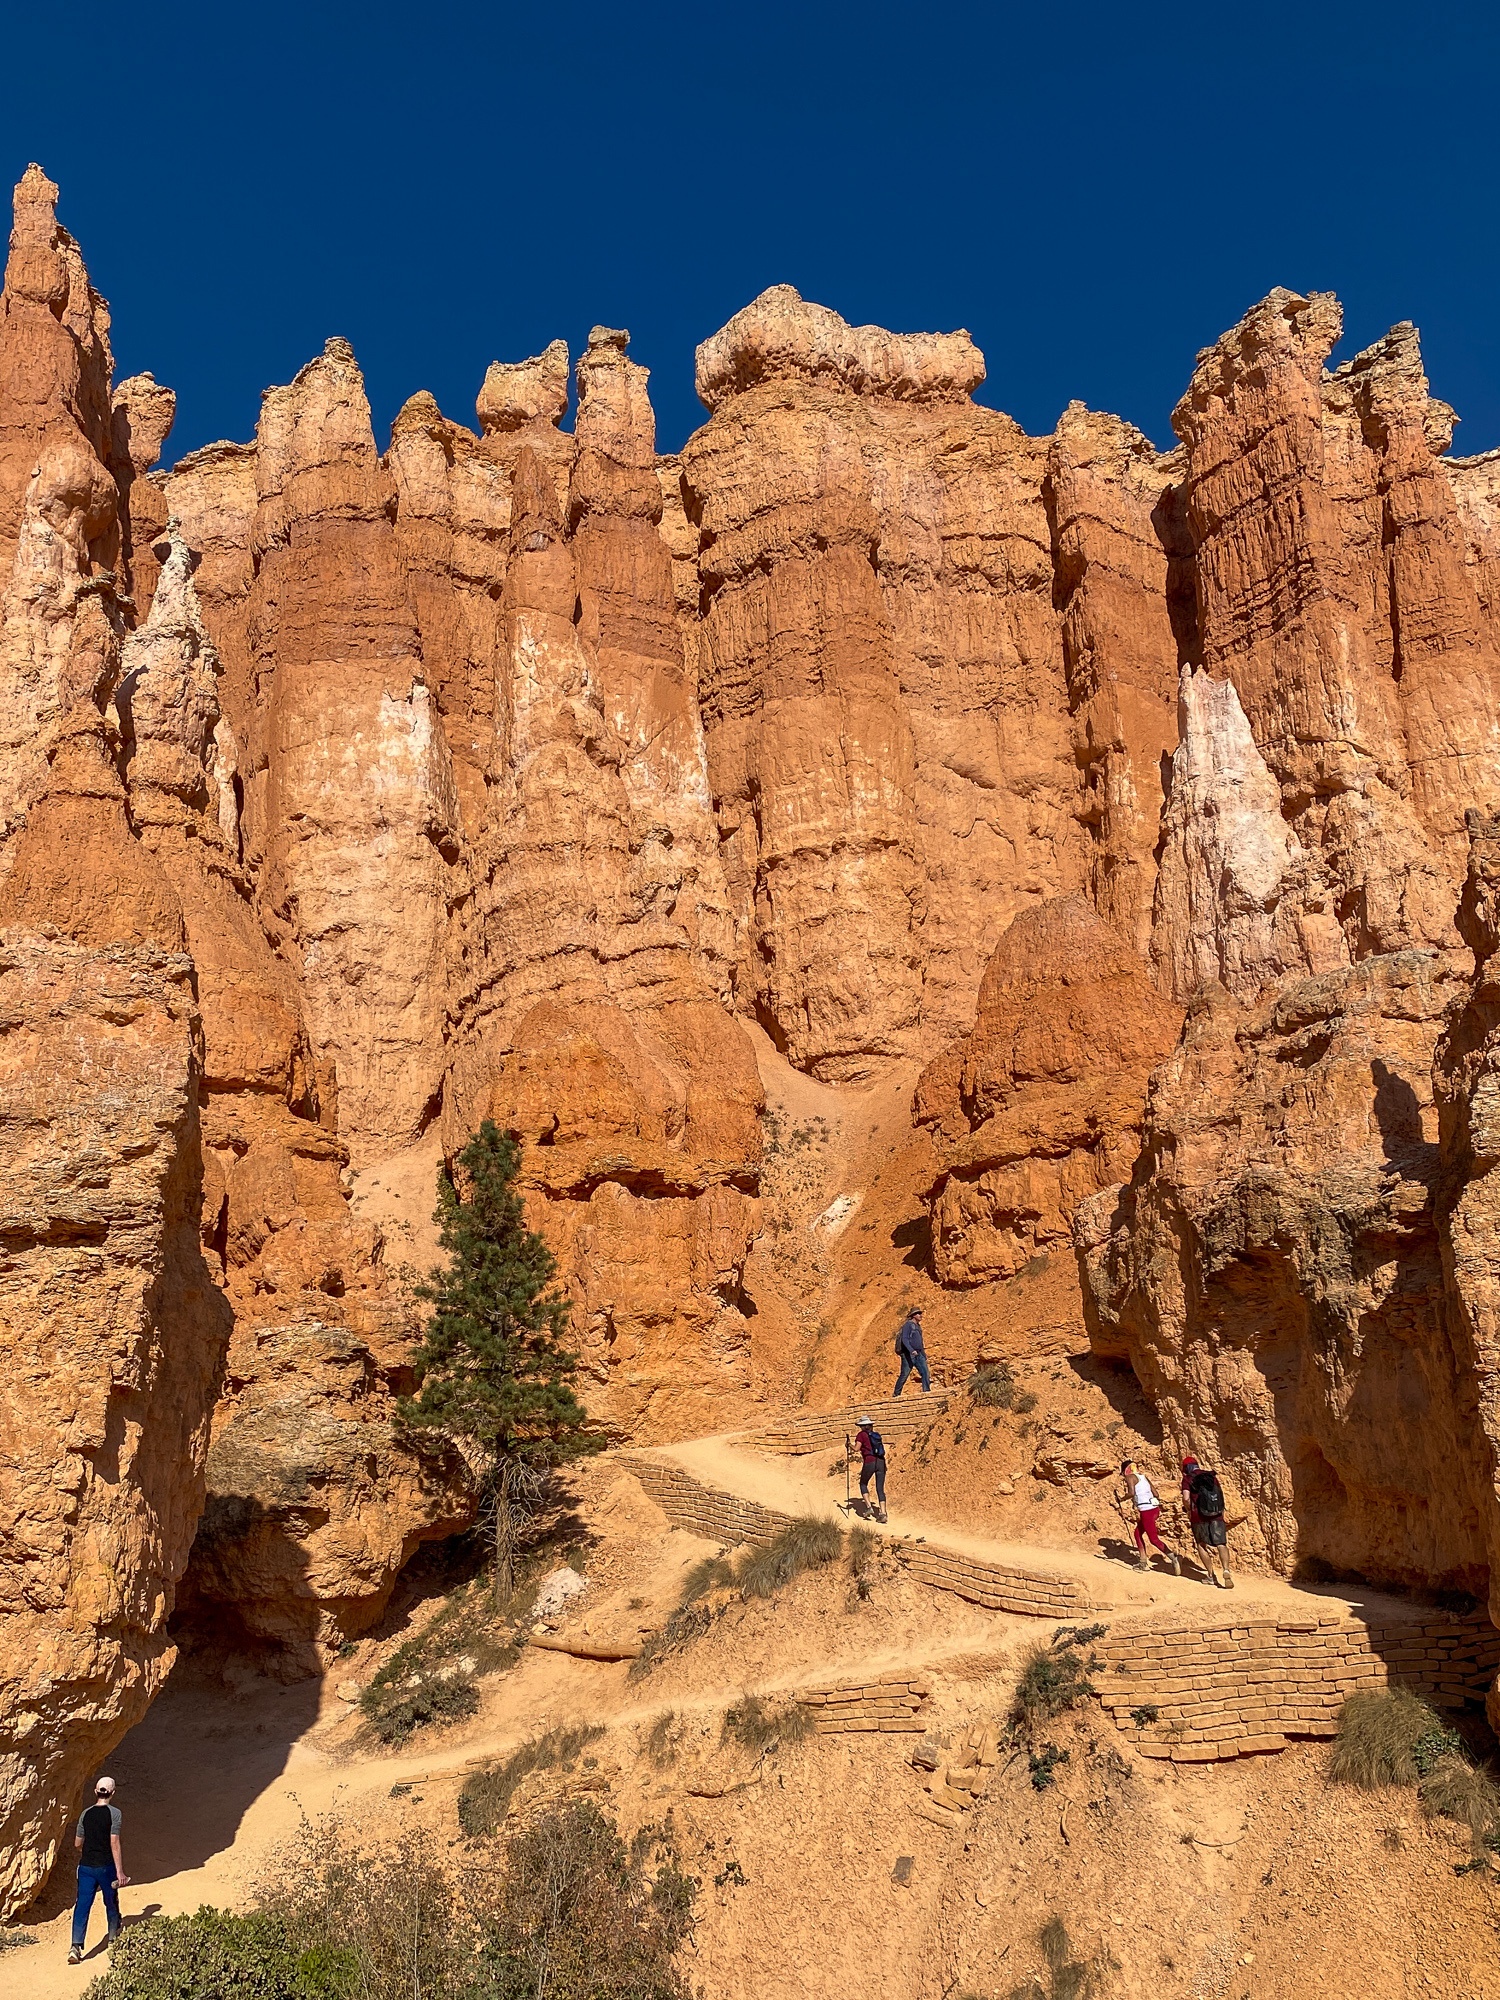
{"x":521,"y":772}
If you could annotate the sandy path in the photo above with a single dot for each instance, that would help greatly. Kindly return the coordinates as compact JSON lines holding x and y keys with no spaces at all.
{"x":802,"y":1486}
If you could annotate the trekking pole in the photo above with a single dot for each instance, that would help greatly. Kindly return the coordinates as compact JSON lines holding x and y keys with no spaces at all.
{"x":848,"y":1498}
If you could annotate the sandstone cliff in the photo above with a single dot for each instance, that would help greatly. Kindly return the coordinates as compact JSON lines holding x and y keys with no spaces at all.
{"x":113,"y":1337}
{"x":523,"y":772}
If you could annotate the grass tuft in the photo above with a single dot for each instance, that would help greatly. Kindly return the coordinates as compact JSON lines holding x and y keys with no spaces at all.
{"x":806,"y":1543}
{"x":758,"y":1726}
{"x":486,"y":1796}
{"x":1066,"y":1977}
{"x":1456,"y":1789}
{"x":664,"y":1738}
{"x":1378,"y":1734}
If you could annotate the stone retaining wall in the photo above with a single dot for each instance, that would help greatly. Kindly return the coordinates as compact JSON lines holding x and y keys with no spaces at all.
{"x":1230,"y":1690}
{"x":895,"y":1417}
{"x":726,"y":1519}
{"x":997,"y":1586}
{"x":894,"y":1702}
{"x":704,"y":1510}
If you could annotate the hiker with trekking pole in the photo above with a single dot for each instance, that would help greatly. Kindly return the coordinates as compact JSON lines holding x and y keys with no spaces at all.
{"x":871,"y":1446}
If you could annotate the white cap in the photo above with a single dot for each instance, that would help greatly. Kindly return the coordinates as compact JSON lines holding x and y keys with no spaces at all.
{"x":105,"y":1785}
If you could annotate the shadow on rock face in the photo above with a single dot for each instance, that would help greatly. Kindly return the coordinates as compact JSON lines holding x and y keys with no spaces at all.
{"x":216,"y":1738}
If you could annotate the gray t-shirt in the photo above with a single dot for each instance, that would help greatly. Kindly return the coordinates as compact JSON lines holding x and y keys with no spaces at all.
{"x":96,"y":1824}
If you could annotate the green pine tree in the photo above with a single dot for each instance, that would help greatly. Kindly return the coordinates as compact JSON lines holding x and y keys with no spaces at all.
{"x":492,"y":1369}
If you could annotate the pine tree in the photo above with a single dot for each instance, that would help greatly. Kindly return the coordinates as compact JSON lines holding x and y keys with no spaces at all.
{"x":492,"y":1369}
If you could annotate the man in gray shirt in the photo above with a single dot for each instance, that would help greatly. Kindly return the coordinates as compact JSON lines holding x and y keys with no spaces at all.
{"x":101,"y":1866}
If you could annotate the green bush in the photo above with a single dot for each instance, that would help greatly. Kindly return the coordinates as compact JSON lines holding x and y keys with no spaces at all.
{"x":16,"y":1940}
{"x":1053,"y":1679}
{"x":395,"y":1713}
{"x":486,"y":1796}
{"x":216,"y":1955}
{"x":1378,"y":1734}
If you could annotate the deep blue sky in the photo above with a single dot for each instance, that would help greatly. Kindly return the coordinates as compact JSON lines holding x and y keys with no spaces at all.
{"x":1094,"y":191}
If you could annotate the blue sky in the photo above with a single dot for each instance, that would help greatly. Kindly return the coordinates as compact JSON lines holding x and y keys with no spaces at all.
{"x":1095,"y":192}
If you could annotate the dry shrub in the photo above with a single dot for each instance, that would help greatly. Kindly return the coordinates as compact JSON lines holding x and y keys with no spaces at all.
{"x":758,"y":1725}
{"x":1066,"y":1977}
{"x":1379,"y":1731}
{"x":993,"y":1386}
{"x":580,"y":1919}
{"x":664,"y":1738}
{"x":1456,"y":1789}
{"x":803,"y":1544}
{"x":391,"y":1920}
{"x":486,"y":1796}
{"x":1053,"y":1679}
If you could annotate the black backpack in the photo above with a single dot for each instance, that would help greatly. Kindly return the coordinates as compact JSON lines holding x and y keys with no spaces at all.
{"x":877,"y":1442}
{"x":1208,"y":1495}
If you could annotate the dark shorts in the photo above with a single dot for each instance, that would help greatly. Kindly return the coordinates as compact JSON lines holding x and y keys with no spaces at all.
{"x":1211,"y":1534}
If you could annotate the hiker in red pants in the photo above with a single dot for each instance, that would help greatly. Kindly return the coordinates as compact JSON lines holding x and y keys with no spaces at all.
{"x":1147,"y":1514}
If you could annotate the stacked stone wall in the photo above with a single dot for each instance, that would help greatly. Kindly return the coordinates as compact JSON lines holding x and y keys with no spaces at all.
{"x":892,"y":1703}
{"x":1228,"y":1690}
{"x":826,"y":1430}
{"x":705,"y":1510}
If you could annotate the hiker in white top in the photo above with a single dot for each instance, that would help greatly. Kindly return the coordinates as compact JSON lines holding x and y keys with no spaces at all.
{"x":1142,"y":1494}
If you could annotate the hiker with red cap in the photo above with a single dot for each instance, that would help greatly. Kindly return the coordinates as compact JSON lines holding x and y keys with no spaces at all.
{"x":1204,"y":1498}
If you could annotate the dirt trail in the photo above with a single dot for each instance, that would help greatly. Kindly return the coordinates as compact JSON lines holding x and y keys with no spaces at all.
{"x":802,"y":1486}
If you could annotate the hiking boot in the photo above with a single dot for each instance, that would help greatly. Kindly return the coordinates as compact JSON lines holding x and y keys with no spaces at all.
{"x":882,"y":1517}
{"x":1143,"y":1562}
{"x":75,"y":1955}
{"x":1176,"y":1565}
{"x":1228,"y":1581}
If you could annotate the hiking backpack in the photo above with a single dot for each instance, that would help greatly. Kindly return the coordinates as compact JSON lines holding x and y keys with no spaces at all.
{"x":877,"y":1442}
{"x":1208,"y":1495}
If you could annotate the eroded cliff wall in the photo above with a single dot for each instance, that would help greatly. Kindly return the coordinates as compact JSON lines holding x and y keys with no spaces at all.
{"x":520,"y":771}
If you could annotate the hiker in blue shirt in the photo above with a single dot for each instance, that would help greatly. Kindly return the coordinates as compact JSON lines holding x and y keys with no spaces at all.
{"x":913,"y":1354}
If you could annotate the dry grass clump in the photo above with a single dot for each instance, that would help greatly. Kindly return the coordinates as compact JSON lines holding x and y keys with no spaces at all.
{"x":806,"y":1543}
{"x":1065,"y":1977}
{"x":486,"y":1796}
{"x":994,"y":1387}
{"x":1053,"y":1678}
{"x":664,"y":1738}
{"x":1378,"y":1734}
{"x":758,"y":1725}
{"x":803,"y":1544}
{"x":709,"y":1573}
{"x":1458,"y":1790}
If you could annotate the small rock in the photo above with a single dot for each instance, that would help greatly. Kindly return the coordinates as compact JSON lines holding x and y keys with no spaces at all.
{"x":557,"y":1590}
{"x":349,"y":1691}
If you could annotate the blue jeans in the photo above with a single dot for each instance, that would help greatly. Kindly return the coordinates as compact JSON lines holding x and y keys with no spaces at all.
{"x":908,"y":1362}
{"x":93,"y":1882}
